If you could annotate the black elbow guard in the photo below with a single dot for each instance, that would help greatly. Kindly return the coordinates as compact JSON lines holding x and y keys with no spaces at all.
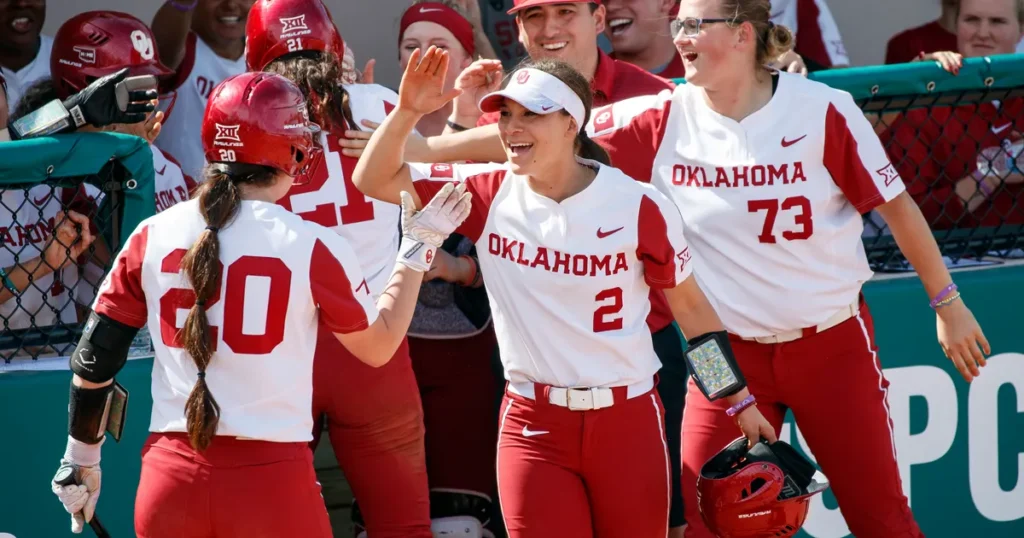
{"x":103,"y":348}
{"x":714,"y":366}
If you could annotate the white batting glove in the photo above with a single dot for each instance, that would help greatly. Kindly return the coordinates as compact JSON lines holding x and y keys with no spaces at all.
{"x":77,"y":483}
{"x":423,"y":231}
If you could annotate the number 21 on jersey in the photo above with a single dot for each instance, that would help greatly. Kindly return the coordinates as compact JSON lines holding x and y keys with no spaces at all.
{"x":331,"y":181}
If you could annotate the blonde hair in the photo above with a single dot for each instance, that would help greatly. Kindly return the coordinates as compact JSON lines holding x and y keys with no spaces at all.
{"x":773,"y":40}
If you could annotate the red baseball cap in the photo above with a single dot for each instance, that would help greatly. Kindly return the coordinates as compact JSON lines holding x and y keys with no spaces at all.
{"x":519,"y":5}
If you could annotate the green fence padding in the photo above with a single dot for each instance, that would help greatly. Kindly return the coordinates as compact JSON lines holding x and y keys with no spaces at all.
{"x":28,"y":162}
{"x":921,"y":78}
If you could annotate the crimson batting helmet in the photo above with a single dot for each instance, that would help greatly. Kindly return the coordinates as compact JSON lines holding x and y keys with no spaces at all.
{"x":260,"y":118}
{"x":279,"y":27}
{"x":764,"y":491}
{"x":94,"y":44}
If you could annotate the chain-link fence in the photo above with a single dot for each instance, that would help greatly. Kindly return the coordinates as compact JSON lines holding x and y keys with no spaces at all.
{"x":67,"y":204}
{"x":957,"y":141}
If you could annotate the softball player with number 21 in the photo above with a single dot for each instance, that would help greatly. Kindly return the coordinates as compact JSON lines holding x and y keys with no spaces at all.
{"x":570,"y":248}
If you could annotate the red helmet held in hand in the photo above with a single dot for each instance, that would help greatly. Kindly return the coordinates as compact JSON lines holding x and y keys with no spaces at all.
{"x":764,"y":491}
{"x":279,"y":27}
{"x":94,"y":44}
{"x":260,"y":118}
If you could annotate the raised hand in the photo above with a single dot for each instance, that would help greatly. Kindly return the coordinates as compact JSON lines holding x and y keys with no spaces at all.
{"x":476,"y":81}
{"x":422,"y":88}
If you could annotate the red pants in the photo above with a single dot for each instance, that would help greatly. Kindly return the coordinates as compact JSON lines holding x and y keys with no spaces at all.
{"x":375,"y":422}
{"x":833,"y":383}
{"x":234,"y":488}
{"x":602,"y":473}
{"x":458,"y":390}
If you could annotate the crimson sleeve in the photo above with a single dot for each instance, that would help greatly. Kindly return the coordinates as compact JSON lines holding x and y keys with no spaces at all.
{"x":661,"y":246}
{"x":632,"y":131}
{"x":120,"y":296}
{"x":855,"y":158}
{"x":482,"y":182}
{"x":339,"y":289}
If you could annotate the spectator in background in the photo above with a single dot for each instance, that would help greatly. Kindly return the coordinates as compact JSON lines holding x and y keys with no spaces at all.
{"x":446,"y":25}
{"x":203,"y":41}
{"x":24,"y":51}
{"x":640,"y":34}
{"x":937,"y":35}
{"x":566,"y":30}
{"x":818,"y":40}
{"x":963,"y":164}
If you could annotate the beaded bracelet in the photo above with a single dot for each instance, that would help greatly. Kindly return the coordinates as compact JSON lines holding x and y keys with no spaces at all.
{"x":942,"y":295}
{"x":742,"y":406}
{"x":7,"y":282}
{"x":183,"y":7}
{"x":947,"y":301}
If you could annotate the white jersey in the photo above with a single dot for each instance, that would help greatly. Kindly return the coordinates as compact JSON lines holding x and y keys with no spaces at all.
{"x":280,"y":274}
{"x":200,"y":71}
{"x":569,"y":283}
{"x":772,"y":205}
{"x":26,"y":226}
{"x":815,"y":30}
{"x":330,"y":199}
{"x":172,"y":185}
{"x":21,"y":80}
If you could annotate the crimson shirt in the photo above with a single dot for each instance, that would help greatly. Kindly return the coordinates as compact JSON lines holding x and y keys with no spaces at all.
{"x":933,"y":149}
{"x":674,"y":69}
{"x":906,"y":45}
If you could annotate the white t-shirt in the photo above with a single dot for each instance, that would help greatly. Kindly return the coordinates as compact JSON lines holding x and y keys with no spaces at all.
{"x":330,"y":199}
{"x":280,"y":274}
{"x":817,"y":35}
{"x":20,"y":80}
{"x":772,"y":204}
{"x":26,"y":225}
{"x":200,"y":71}
{"x":569,"y":283}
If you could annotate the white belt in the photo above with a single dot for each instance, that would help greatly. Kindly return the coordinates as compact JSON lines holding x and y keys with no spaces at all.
{"x":582,"y":399}
{"x":842,"y":315}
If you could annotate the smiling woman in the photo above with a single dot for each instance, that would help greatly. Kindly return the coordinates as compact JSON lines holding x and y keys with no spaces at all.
{"x":24,"y":52}
{"x":575,"y":346}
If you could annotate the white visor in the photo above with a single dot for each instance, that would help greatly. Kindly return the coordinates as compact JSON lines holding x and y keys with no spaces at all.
{"x":539,"y":92}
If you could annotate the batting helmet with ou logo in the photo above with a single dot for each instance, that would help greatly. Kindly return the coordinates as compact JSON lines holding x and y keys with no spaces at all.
{"x":260,"y":118}
{"x":94,"y":44}
{"x":763,"y":491}
{"x":279,"y":27}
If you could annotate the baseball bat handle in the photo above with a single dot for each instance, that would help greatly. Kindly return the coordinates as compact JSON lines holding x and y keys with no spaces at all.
{"x":69,"y":478}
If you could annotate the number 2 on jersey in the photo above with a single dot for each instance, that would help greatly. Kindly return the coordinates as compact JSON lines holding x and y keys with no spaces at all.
{"x":772,"y":206}
{"x":176,"y":299}
{"x":601,"y":321}
{"x":357,"y":208}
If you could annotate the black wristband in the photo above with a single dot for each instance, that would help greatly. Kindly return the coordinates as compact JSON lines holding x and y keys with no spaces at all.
{"x":456,"y":126}
{"x":87,"y":413}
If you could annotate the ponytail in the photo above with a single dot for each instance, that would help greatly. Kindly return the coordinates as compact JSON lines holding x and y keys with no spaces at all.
{"x":588,"y":149}
{"x":319,"y":76}
{"x":219,"y":201}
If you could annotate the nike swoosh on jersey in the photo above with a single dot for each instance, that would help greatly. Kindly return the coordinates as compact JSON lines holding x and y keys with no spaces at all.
{"x":161,"y":171}
{"x":997,"y":130}
{"x":42,"y":200}
{"x":787,"y":143}
{"x":530,"y":433}
{"x":602,"y":234}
